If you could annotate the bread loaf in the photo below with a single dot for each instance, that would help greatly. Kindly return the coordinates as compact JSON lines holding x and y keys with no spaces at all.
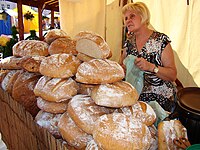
{"x":30,"y":48}
{"x":141,"y":111}
{"x":55,"y":34}
{"x":118,"y":94}
{"x":85,"y":89}
{"x":23,"y":91}
{"x":168,"y":131}
{"x":49,"y":121}
{"x":92,"y":145}
{"x":117,"y":131}
{"x":10,"y":62}
{"x":52,"y":107}
{"x":71,"y":133}
{"x":31,"y":63}
{"x":55,"y":89}
{"x":63,"y":45}
{"x":84,"y":112}
{"x":3,"y":73}
{"x":59,"y":66}
{"x":92,"y":45}
{"x":98,"y":71}
{"x":84,"y":57}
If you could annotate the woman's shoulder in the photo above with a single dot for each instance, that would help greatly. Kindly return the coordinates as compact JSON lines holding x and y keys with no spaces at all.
{"x":161,"y":36}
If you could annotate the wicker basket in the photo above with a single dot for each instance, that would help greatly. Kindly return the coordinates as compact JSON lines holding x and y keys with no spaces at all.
{"x":20,"y":132}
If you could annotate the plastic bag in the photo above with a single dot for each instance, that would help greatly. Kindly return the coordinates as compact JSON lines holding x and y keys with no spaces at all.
{"x":133,"y":74}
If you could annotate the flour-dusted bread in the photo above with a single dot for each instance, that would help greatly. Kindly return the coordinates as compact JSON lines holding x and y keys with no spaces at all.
{"x":63,"y":45}
{"x":117,"y":94}
{"x":52,"y":107}
{"x":31,"y":63}
{"x":59,"y":66}
{"x":92,"y":45}
{"x":30,"y":48}
{"x":84,"y":57}
{"x":84,"y":112}
{"x":71,"y":133}
{"x":10,"y":62}
{"x":22,"y":91}
{"x":49,"y":121}
{"x":142,"y":111}
{"x":117,"y":131}
{"x":55,"y":34}
{"x":99,"y":71}
{"x":56,"y":89}
{"x":167,"y":132}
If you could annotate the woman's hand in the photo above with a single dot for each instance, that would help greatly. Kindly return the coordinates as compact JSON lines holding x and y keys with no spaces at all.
{"x":143,"y":64}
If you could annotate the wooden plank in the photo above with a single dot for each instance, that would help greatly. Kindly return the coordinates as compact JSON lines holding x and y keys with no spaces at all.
{"x":20,"y":20}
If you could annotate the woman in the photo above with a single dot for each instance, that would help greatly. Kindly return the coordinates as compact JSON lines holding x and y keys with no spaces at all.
{"x":154,"y":56}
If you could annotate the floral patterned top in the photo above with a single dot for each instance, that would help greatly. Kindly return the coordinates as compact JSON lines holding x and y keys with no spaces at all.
{"x":164,"y":92}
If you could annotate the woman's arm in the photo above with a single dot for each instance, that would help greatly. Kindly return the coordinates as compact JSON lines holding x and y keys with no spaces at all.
{"x":168,"y":71}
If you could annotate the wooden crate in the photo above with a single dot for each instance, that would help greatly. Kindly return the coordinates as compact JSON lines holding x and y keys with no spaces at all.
{"x":20,"y":132}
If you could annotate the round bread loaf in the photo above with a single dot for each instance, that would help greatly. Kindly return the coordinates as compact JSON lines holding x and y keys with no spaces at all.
{"x":55,"y":34}
{"x":63,"y":45}
{"x":59,"y":66}
{"x":142,"y":111}
{"x":118,"y":94}
{"x":55,"y":89}
{"x":52,"y":107}
{"x":22,"y":91}
{"x":117,"y":131}
{"x":84,"y":112}
{"x":10,"y":62}
{"x":71,"y":133}
{"x":30,"y":48}
{"x":98,"y":71}
{"x":49,"y":121}
{"x":168,"y":131}
{"x":92,"y":45}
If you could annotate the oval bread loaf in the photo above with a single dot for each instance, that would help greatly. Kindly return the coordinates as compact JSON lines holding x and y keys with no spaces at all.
{"x":99,"y":71}
{"x":30,"y":48}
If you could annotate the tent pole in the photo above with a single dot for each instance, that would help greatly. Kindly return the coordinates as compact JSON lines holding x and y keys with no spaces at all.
{"x":20,"y":20}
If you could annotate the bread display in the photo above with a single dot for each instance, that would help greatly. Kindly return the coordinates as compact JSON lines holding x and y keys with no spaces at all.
{"x":84,"y":112}
{"x":117,"y":131}
{"x":142,"y":111}
{"x":98,"y":71}
{"x":117,"y":94}
{"x":167,"y":132}
{"x":55,"y":34}
{"x":73,"y":134}
{"x":92,"y":45}
{"x":59,"y":66}
{"x":49,"y":121}
{"x":30,"y":48}
{"x":55,"y":89}
{"x":10,"y":62}
{"x":63,"y":45}
{"x":52,"y":107}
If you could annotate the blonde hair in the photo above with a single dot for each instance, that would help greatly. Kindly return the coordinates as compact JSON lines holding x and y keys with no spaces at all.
{"x":140,"y":8}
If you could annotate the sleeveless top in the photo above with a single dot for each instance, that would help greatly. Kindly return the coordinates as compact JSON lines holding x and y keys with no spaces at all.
{"x":164,"y":92}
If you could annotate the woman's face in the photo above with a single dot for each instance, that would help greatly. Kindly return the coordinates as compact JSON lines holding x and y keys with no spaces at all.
{"x":132,"y":20}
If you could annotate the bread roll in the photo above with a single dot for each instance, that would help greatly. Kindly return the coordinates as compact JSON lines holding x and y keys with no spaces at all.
{"x":92,"y":45}
{"x":23,"y":91}
{"x":31,"y":63}
{"x":84,"y":57}
{"x":167,"y":132}
{"x":141,"y":111}
{"x":98,"y":71}
{"x":49,"y":121}
{"x":117,"y":131}
{"x":30,"y":48}
{"x":52,"y":107}
{"x":59,"y":66}
{"x":55,"y":34}
{"x":84,"y":112}
{"x":118,"y":94}
{"x":10,"y":62}
{"x":71,"y":133}
{"x":63,"y":45}
{"x":55,"y":89}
